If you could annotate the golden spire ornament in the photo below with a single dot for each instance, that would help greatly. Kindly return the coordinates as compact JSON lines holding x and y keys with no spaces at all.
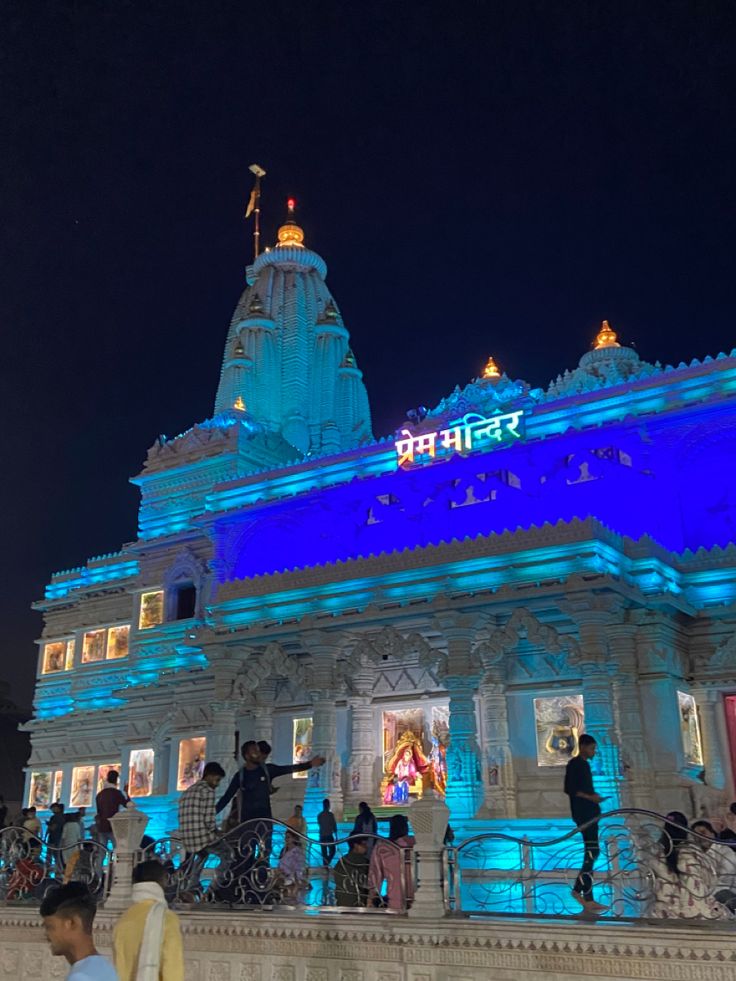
{"x":491,"y":370}
{"x":606,"y":337}
{"x":290,"y":233}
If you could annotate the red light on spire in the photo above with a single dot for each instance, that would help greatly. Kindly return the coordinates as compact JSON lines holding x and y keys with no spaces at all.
{"x":291,"y":204}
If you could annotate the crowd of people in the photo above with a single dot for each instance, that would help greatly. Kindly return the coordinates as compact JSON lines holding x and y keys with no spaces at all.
{"x":692,"y":869}
{"x":373,"y":871}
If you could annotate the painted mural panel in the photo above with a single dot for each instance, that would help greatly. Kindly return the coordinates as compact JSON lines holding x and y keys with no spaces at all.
{"x":690,"y":729}
{"x":69,"y":661}
{"x":415,"y":744}
{"x":302,"y":744}
{"x":102,"y":771}
{"x":117,"y":642}
{"x":140,"y":773}
{"x":152,"y":610}
{"x":58,"y":778}
{"x":53,"y":656}
{"x":83,"y":786}
{"x":93,"y":646}
{"x":560,"y":721}
{"x":191,"y":761}
{"x":440,"y":742}
{"x":39,"y":793}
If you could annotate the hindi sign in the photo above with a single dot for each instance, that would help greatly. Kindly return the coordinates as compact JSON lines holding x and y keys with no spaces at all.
{"x":472,"y":432}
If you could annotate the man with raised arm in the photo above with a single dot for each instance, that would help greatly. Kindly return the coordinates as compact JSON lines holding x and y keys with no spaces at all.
{"x":252,"y":783}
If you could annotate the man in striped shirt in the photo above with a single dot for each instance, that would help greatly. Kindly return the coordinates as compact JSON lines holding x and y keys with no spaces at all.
{"x":197,"y":827}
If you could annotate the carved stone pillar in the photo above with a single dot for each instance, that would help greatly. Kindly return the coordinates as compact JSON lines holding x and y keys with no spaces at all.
{"x":363,"y":751}
{"x":221,"y":748}
{"x":499,"y":776}
{"x":461,"y":672}
{"x":325,"y":781}
{"x":593,"y":617}
{"x":429,"y":819}
{"x":264,"y":699}
{"x":710,"y":704}
{"x":128,"y":827}
{"x":221,"y":737}
{"x":637,"y":784}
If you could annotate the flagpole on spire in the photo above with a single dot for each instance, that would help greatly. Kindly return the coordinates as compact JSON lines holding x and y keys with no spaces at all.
{"x":254,"y":207}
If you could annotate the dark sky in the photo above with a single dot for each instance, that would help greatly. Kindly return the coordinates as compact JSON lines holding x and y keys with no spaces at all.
{"x":481,"y":177}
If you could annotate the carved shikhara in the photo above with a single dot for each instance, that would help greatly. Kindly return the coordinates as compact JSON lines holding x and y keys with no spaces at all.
{"x":259,"y":947}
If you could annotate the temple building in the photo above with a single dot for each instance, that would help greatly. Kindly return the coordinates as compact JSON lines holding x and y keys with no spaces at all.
{"x":440,"y":611}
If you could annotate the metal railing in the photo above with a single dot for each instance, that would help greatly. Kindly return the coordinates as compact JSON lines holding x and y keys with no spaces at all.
{"x":648,"y":868}
{"x":29,"y":866}
{"x":265,"y":864}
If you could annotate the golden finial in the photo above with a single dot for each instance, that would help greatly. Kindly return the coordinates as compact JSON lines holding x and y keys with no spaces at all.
{"x":606,"y":337}
{"x":290,"y":233}
{"x":491,"y":370}
{"x":239,"y":404}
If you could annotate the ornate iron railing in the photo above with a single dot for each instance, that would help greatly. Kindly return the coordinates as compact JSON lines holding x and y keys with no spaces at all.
{"x":264,"y":864}
{"x":496,"y":874}
{"x":29,"y":866}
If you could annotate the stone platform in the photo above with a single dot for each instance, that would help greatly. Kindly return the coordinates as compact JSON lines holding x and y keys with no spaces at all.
{"x":265,"y":946}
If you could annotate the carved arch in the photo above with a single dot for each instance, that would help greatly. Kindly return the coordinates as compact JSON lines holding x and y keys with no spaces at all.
{"x":524,"y":624}
{"x":259,"y":667}
{"x":186,"y":568}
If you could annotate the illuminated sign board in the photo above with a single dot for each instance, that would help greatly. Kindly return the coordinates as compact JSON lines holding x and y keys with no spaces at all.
{"x":472,"y":432}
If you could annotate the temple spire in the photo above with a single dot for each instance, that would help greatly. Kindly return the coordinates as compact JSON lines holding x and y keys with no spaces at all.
{"x":606,"y":337}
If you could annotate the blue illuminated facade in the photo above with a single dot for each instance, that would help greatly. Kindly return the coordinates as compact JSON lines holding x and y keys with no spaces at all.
{"x":573,"y":568}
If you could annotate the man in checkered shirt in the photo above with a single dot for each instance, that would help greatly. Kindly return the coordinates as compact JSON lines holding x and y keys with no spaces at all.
{"x":197,"y":827}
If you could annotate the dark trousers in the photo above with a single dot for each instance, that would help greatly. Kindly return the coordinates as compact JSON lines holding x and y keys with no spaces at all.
{"x":328,"y":849}
{"x":584,"y":882}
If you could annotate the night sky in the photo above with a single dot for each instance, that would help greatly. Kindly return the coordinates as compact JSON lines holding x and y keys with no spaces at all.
{"x":481,"y":177}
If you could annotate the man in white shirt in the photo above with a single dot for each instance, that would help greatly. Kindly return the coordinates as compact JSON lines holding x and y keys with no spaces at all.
{"x":68,"y":913}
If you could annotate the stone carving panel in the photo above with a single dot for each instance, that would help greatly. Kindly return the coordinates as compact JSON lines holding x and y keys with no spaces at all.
{"x":219,"y":971}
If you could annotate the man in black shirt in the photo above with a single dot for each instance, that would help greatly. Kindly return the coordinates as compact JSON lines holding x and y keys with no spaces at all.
{"x":247,"y":878}
{"x":252,"y":783}
{"x":585,"y":806}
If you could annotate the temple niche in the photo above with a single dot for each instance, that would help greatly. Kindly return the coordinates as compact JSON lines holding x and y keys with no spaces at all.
{"x":441,"y":612}
{"x":414,"y":753}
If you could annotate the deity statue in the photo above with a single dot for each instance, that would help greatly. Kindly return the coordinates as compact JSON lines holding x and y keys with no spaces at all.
{"x":405,"y":770}
{"x":438,"y":757}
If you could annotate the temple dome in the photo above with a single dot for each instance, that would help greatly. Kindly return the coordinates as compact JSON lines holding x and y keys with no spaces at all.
{"x":608,"y":363}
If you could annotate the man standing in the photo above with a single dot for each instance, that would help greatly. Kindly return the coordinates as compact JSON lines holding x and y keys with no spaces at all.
{"x":252,"y":784}
{"x":197,"y":827}
{"x":54,"y":831}
{"x":109,"y":801}
{"x":327,"y":832}
{"x":68,"y":913}
{"x":585,"y":807}
{"x":147,"y":944}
